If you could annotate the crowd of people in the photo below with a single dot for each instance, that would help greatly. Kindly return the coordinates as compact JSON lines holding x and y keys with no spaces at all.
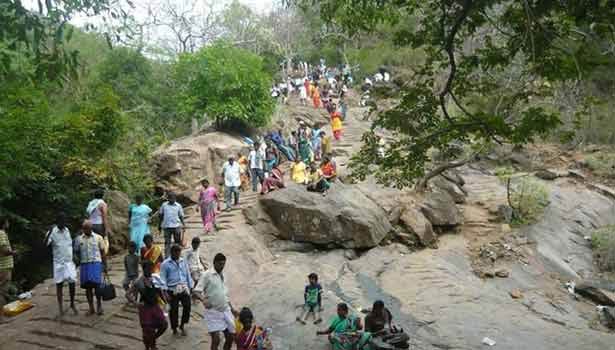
{"x":161,"y":280}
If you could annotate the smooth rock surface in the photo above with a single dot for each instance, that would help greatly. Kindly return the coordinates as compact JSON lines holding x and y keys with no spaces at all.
{"x":344,"y":218}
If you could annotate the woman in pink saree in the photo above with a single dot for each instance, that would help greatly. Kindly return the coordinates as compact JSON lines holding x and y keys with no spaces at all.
{"x":274,"y":181}
{"x":208,"y":204}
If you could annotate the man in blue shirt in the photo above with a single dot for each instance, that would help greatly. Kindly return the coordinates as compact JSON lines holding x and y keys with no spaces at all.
{"x":172,"y":222}
{"x":178,"y":283}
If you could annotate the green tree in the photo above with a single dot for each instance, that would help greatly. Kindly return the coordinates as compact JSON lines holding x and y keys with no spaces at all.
{"x":41,"y":34}
{"x":225,"y":83}
{"x":128,"y":72}
{"x":503,"y":54}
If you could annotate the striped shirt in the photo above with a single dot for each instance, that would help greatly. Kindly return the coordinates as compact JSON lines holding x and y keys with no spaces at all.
{"x":6,"y":262}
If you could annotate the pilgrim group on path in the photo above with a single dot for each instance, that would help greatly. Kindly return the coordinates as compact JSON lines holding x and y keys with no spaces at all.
{"x":174,"y":278}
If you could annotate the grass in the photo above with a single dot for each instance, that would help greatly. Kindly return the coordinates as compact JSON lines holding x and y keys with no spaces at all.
{"x":603,"y":244}
{"x":602,"y":163}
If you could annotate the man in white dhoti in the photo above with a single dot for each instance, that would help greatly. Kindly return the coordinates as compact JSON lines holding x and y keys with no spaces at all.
{"x":219,"y":313}
{"x":64,"y":269}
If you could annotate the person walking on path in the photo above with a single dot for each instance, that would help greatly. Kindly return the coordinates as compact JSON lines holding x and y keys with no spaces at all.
{"x":90,"y":249}
{"x":303,"y":94}
{"x":64,"y":270}
{"x":152,"y":252}
{"x":196,"y":263}
{"x":256,"y":159}
{"x":244,"y":172}
{"x":98,"y":213}
{"x":171,"y":222}
{"x":131,"y":266}
{"x":151,"y":316}
{"x":219,"y":312}
{"x":316,"y":96}
{"x":138,"y":217}
{"x":336,"y":125}
{"x":6,"y":261}
{"x":208,"y":204}
{"x":178,"y":283}
{"x":231,"y":172}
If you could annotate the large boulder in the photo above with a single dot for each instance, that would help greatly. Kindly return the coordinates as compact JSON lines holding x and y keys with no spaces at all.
{"x":344,"y":218}
{"x":180,"y":166}
{"x":457,"y":192}
{"x":118,"y":203}
{"x":440,"y":209}
{"x":418,"y":224}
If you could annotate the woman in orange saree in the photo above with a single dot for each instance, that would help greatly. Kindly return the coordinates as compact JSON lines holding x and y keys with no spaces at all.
{"x":316,"y":96}
{"x":151,"y":252}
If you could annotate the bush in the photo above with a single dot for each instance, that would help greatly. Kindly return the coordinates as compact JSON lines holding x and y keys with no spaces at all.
{"x":603,"y":243}
{"x":602,"y":163}
{"x":527,"y":196}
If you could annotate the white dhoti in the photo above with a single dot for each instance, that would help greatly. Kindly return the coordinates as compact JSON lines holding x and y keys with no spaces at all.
{"x":218,"y":321}
{"x":64,"y":272}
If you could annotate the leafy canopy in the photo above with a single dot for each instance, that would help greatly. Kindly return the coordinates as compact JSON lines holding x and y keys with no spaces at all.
{"x":225,"y":83}
{"x":485,"y":64}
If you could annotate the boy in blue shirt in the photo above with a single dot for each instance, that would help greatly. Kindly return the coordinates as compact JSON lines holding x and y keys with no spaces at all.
{"x":313,"y":300}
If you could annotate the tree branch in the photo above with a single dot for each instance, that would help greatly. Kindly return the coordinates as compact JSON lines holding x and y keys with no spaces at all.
{"x":450,"y":51}
{"x":421,"y":186}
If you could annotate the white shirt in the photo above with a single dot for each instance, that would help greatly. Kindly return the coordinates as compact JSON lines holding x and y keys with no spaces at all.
{"x":171,"y":215}
{"x":387,"y":76}
{"x":96,"y":214}
{"x":192,"y":259}
{"x":378,"y":77}
{"x":61,"y":244}
{"x":232,"y":174}
{"x":256,"y":159}
{"x":212,"y":285}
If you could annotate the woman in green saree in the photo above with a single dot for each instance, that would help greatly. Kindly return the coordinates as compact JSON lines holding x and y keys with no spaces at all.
{"x":305,"y":150}
{"x":345,"y":331}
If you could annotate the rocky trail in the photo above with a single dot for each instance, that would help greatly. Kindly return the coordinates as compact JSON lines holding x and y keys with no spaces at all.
{"x":440,"y":296}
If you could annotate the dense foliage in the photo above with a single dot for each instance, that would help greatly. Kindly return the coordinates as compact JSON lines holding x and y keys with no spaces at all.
{"x":484,"y":63}
{"x":226,"y":84}
{"x":77,"y":114}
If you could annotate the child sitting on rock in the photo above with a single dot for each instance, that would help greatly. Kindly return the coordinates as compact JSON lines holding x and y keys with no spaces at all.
{"x":313,"y":300}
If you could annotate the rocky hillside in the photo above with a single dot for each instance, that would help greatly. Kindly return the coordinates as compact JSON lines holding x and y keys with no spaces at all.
{"x":446,"y":264}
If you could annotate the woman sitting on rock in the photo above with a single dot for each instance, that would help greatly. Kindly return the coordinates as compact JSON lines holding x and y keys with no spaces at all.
{"x":345,"y":331}
{"x":316,"y":181}
{"x":378,"y":321}
{"x":275,"y":180}
{"x":328,"y":169}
